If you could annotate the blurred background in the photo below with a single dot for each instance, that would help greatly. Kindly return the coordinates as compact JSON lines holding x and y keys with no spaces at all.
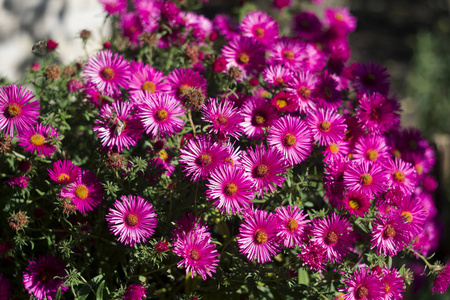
{"x":411,"y":38}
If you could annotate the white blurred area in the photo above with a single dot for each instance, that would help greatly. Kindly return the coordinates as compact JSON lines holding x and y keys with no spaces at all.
{"x":25,"y":22}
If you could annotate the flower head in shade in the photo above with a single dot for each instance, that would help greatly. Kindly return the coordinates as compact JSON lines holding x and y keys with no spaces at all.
{"x":293,"y":225}
{"x":181,"y":81}
{"x":393,"y":283}
{"x":369,"y":78}
{"x":145,"y":78}
{"x":277,"y":75}
{"x":86,"y":192}
{"x":246,"y":54}
{"x":224,"y":118}
{"x":133,"y":219}
{"x":64,"y":172}
{"x":339,"y":20}
{"x":313,"y":255}
{"x":442,"y":280}
{"x":366,"y":178}
{"x":18,"y":109}
{"x":39,"y":277}
{"x":199,"y":254}
{"x":301,"y":89}
{"x":134,"y":292}
{"x":377,"y":113}
{"x":307,"y":25}
{"x":257,"y":236}
{"x":200,"y":156}
{"x":265,"y":167}
{"x":356,"y":203}
{"x":363,"y":286}
{"x":259,"y":26}
{"x":430,"y":238}
{"x":288,"y":52}
{"x":292,"y":137}
{"x":107,"y":71}
{"x":390,"y":233}
{"x":18,"y":181}
{"x":371,"y":148}
{"x":160,"y":114}
{"x":401,"y":175}
{"x":326,"y":92}
{"x":226,"y":26}
{"x":114,"y":6}
{"x":258,"y":115}
{"x":5,"y":288}
{"x":40,"y":139}
{"x":327,"y":126}
{"x":230,"y":188}
{"x":130,"y":26}
{"x":335,"y":234}
{"x":118,"y":127}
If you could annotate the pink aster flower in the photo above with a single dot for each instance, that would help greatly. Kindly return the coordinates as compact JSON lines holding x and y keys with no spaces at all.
{"x":130,"y":26}
{"x":287,"y":51}
{"x":107,"y":71}
{"x":393,"y":283}
{"x":199,"y":254}
{"x":301,"y":89}
{"x":390,"y":234}
{"x":118,"y":127}
{"x":365,"y":178}
{"x":39,"y":277}
{"x":183,"y":80}
{"x":442,"y":280}
{"x":314,"y":256}
{"x":64,"y":172}
{"x":340,"y":20}
{"x":114,"y":6}
{"x":369,"y":78}
{"x":430,"y":238}
{"x":401,"y":175}
{"x":356,"y":203}
{"x":200,"y":156}
{"x":414,"y":214}
{"x":257,"y":236}
{"x":41,"y":139}
{"x":377,"y":113}
{"x":258,"y":115}
{"x":20,"y":181}
{"x":246,"y":54}
{"x":336,"y":150}
{"x":371,"y":148}
{"x":327,"y":126}
{"x":230,"y":188}
{"x":5,"y":288}
{"x":149,"y":12}
{"x":277,"y":75}
{"x":259,"y":26}
{"x":133,"y":219}
{"x":19,"y":110}
{"x":134,"y":292}
{"x":160,"y":114}
{"x":326,"y":92}
{"x":224,"y":118}
{"x":292,"y":137}
{"x":293,"y":225}
{"x":86,"y":192}
{"x":335,"y":234}
{"x":265,"y":167}
{"x":363,"y":285}
{"x":307,"y":26}
{"x":284,"y":103}
{"x":226,"y":26}
{"x":145,"y":78}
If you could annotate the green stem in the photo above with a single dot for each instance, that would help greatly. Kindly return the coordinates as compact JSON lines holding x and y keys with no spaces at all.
{"x":430,"y":266}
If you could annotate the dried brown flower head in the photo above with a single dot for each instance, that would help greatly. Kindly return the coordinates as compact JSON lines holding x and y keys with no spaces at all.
{"x":53,"y":72}
{"x":17,"y":221}
{"x":5,"y":144}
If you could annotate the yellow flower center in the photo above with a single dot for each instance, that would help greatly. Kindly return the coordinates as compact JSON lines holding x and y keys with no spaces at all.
{"x":361,"y":292}
{"x":334,"y":148}
{"x":63,"y":177}
{"x":387,"y":287}
{"x":260,"y":237}
{"x":230,"y":189}
{"x":279,"y":80}
{"x":131,"y":220}
{"x":408,"y":216}
{"x":292,"y":225}
{"x":163,"y":154}
{"x":81,"y":191}
{"x":398,"y":176}
{"x":161,"y":115}
{"x":194,"y":254}
{"x":107,"y":73}
{"x":222,"y":119}
{"x":13,"y":110}
{"x":229,"y":161}
{"x":204,"y":160}
{"x":330,"y":237}
{"x":281,"y":103}
{"x":183,"y":90}
{"x":259,"y":120}
{"x":354,"y":203}
{"x":325,"y":126}
{"x":389,"y":231}
{"x":289,"y":140}
{"x":37,"y":139}
{"x":366,"y":179}
{"x":339,"y":17}
{"x":259,"y":32}
{"x":260,"y":170}
{"x":243,"y":58}
{"x":372,"y":154}
{"x":419,"y":169}
{"x":288,"y":54}
{"x":304,"y":92}
{"x":149,"y":87}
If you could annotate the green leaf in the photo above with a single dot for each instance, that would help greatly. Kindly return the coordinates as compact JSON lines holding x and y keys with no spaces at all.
{"x":99,"y":294}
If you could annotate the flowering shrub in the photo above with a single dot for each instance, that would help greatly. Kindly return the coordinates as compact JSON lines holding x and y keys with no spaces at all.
{"x":195,"y":158}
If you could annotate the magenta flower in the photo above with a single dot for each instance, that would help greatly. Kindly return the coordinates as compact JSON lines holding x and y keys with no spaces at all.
{"x":363,"y":285}
{"x":339,"y":20}
{"x":307,"y":25}
{"x":390,"y":234}
{"x":369,"y":78}
{"x":258,"y":116}
{"x":40,"y":139}
{"x":118,"y":127}
{"x":133,"y":219}
{"x":231,"y":189}
{"x":130,"y":26}
{"x":293,"y":225}
{"x":114,"y":6}
{"x":246,"y":54}
{"x":338,"y":150}
{"x":107,"y":71}
{"x":86,"y":192}
{"x":182,"y":80}
{"x":292,"y":137}
{"x":366,"y":178}
{"x":265,"y":167}
{"x":393,"y":283}
{"x":327,"y":126}
{"x":288,"y":52}
{"x":257,"y":236}
{"x":64,"y":172}
{"x":135,"y":292}
{"x":301,"y":89}
{"x":160,"y":114}
{"x":401,"y":175}
{"x":19,"y":110}
{"x":226,"y":26}
{"x":259,"y":26}
{"x":314,"y":256}
{"x":20,"y":181}
{"x":277,"y":75}
{"x":377,"y":113}
{"x":356,"y":203}
{"x":334,"y":234}
{"x":442,"y":280}
{"x":5,"y":288}
{"x":414,"y":213}
{"x":39,"y":277}
{"x":371,"y":148}
{"x":284,"y":103}
{"x":224,"y":118}
{"x":145,"y":78}
{"x":200,"y":156}
{"x":326,"y":92}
